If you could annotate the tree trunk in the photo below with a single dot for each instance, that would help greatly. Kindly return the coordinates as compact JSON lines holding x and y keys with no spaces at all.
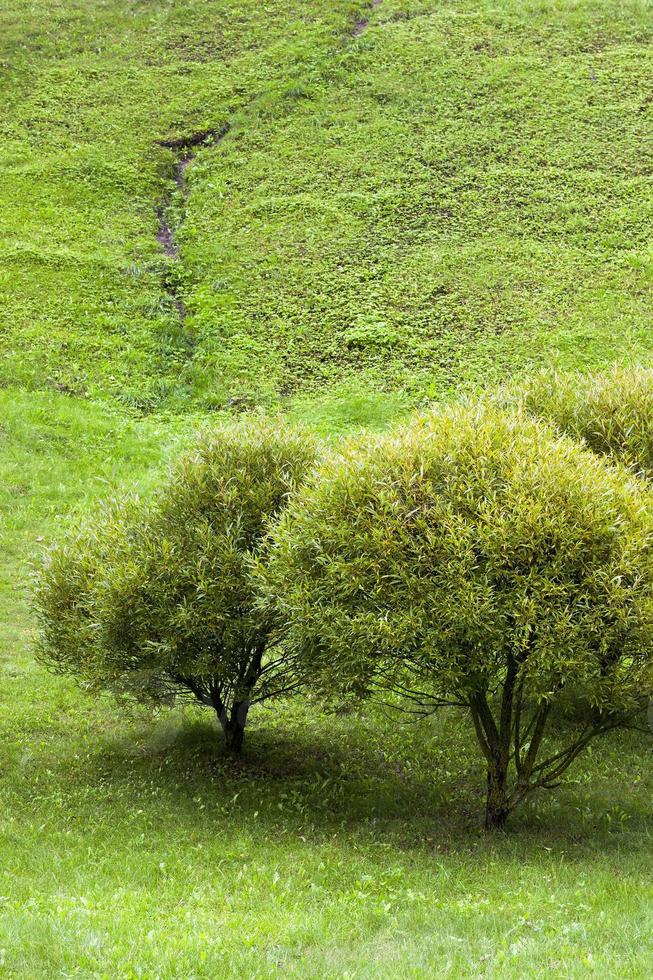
{"x":497,"y":807}
{"x":233,"y":726}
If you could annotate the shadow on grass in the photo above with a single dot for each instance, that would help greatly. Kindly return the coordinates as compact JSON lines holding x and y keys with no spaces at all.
{"x":412,"y":786}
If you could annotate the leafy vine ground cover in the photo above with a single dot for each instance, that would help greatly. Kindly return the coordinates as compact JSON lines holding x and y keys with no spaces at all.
{"x":450,"y":196}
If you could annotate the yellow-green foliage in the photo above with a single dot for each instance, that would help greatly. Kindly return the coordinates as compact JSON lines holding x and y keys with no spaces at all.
{"x":611,"y":412}
{"x":154,"y":598}
{"x":485,"y":554}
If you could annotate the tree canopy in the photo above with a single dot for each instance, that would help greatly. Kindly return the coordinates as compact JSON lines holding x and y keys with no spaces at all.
{"x":153,"y":598}
{"x":611,"y":412}
{"x":474,"y":559}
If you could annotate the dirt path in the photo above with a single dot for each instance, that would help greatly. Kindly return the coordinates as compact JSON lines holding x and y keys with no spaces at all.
{"x":363,"y":24}
{"x":184,"y":148}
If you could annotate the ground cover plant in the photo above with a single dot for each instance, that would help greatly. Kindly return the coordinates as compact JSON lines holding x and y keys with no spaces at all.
{"x":480,"y":561}
{"x":457,"y":193}
{"x":91,"y":95}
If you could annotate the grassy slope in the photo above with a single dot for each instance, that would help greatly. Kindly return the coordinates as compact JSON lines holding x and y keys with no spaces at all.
{"x":88,"y":90}
{"x":462,"y":192}
{"x":459,"y":192}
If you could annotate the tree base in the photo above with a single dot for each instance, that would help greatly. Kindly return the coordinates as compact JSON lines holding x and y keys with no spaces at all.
{"x":233,"y":726}
{"x":497,"y":807}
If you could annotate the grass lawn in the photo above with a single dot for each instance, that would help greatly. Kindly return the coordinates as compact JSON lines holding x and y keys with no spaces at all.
{"x":443,"y":198}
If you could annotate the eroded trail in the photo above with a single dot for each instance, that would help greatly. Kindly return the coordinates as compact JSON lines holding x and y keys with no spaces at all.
{"x":185,"y":148}
{"x":171,"y":211}
{"x":364,"y":22}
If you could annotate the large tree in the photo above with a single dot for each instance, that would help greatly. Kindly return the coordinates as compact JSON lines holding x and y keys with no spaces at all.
{"x":154,"y":599}
{"x":475,"y":559}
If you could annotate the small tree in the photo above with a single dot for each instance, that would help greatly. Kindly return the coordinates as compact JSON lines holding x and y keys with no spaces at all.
{"x":611,"y":412}
{"x":154,"y":599}
{"x":495,"y":564}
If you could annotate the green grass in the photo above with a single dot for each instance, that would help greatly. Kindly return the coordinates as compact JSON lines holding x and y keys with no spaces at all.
{"x":89,"y":90}
{"x":455,"y":196}
{"x":461,"y":193}
{"x":337,"y":848}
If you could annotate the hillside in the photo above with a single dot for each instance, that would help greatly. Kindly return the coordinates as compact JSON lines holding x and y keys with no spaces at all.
{"x":452,"y":193}
{"x":337,"y":212}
